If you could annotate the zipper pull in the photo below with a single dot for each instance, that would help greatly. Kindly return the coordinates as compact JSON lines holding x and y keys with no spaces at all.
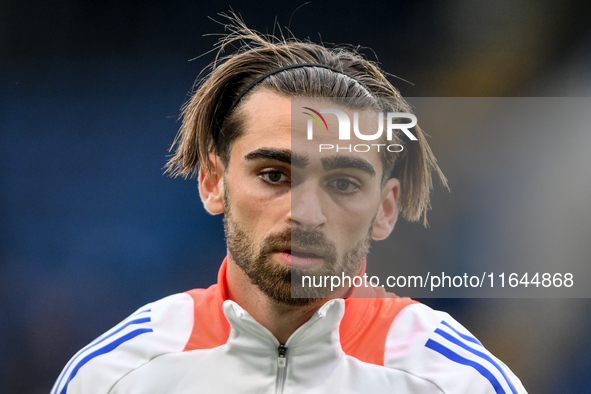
{"x":282,"y":359}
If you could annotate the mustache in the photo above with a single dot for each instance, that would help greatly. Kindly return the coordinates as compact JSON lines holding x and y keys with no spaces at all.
{"x":316,"y":240}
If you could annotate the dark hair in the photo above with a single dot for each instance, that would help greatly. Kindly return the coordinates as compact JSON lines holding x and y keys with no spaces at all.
{"x":210,"y":122}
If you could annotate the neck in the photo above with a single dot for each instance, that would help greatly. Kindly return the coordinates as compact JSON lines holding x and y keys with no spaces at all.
{"x":280,"y":319}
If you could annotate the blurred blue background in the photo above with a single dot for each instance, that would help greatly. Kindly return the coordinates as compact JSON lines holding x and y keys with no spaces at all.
{"x":89,"y":98}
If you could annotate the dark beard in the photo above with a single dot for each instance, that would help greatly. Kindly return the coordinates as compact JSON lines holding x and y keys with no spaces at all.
{"x":282,"y":283}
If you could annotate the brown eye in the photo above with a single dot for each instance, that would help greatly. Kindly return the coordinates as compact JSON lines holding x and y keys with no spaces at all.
{"x":345,"y":186}
{"x":274,"y":177}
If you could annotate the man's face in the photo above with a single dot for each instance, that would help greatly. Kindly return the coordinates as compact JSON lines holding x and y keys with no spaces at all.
{"x":292,"y":211}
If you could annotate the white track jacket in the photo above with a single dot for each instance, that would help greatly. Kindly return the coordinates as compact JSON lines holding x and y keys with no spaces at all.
{"x":199,"y":342}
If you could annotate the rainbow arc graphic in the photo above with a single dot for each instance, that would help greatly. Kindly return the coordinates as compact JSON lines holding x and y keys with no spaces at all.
{"x":318,"y":115}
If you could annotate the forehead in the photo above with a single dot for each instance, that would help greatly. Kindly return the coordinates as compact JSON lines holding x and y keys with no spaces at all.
{"x":267,"y":115}
{"x":274,"y":120}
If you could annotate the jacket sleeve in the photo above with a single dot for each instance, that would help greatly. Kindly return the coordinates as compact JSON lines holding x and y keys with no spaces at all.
{"x":160,"y":327}
{"x":432,"y":345}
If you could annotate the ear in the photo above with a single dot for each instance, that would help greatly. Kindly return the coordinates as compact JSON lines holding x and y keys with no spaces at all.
{"x":388,"y":211}
{"x":211,"y":186}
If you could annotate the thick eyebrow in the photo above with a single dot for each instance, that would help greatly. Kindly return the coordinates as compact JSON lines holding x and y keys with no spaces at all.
{"x":283,"y":155}
{"x":343,"y":161}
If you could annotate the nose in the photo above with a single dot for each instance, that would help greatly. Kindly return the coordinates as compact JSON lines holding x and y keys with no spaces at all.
{"x":306,"y":206}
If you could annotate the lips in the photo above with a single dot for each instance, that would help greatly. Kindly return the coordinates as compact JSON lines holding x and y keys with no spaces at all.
{"x":300,"y":257}
{"x":304,"y":252}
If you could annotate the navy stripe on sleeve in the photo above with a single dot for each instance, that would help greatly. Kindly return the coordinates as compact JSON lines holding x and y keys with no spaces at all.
{"x":105,"y":349}
{"x":453,"y":356}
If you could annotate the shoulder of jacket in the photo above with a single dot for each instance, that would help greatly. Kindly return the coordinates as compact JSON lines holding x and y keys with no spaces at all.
{"x":432,"y":345}
{"x":154,"y":329}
